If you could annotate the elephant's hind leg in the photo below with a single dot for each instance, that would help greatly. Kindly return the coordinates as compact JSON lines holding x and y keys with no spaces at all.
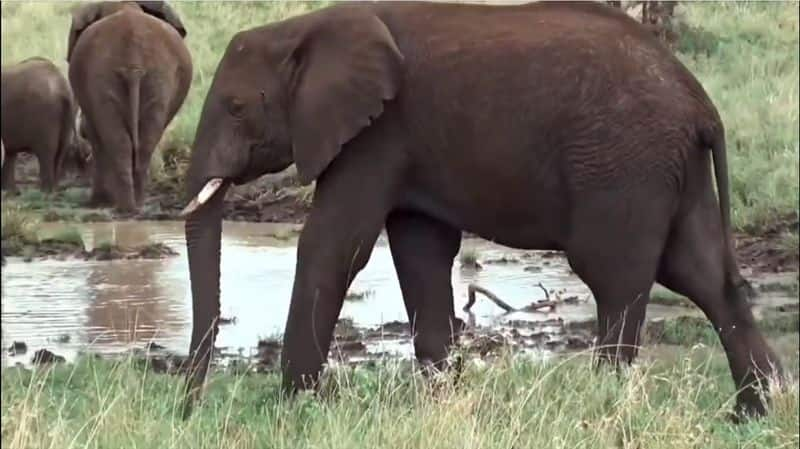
{"x":116,"y":161}
{"x":152,"y":123}
{"x":615,"y":244}
{"x":100,"y":196}
{"x":47,"y":171}
{"x":693,"y":265}
{"x":423,"y":250}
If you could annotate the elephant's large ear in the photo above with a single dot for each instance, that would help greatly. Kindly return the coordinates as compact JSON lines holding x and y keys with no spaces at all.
{"x":345,"y":65}
{"x":163,"y":11}
{"x":81,"y":18}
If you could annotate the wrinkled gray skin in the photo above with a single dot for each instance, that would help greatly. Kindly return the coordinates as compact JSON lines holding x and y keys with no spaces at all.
{"x":38,"y":117}
{"x":554,"y":125}
{"x":130,"y":71}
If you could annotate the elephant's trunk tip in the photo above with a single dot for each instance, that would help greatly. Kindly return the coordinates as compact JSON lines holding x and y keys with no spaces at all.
{"x":209,"y":189}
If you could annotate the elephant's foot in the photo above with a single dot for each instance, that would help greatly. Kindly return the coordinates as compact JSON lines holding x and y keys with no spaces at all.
{"x":97,"y":201}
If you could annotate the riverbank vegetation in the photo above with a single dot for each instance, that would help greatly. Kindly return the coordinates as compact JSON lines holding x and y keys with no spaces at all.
{"x":676,"y":399}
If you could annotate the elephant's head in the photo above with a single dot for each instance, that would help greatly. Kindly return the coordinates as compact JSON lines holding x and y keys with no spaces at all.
{"x":85,"y":15}
{"x":290,"y":92}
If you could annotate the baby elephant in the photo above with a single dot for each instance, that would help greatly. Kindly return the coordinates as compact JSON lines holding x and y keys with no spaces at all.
{"x":38,"y":116}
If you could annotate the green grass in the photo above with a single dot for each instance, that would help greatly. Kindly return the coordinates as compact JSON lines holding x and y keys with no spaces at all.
{"x":691,"y":330}
{"x":511,"y":404}
{"x":660,"y":295}
{"x":749,"y":63}
{"x":745,"y":54}
{"x":18,"y":224}
{"x":468,"y":258}
{"x":68,"y":235}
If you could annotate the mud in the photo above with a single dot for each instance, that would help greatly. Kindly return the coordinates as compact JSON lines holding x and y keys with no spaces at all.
{"x":45,"y":357}
{"x":353,"y":345}
{"x":768,"y":252}
{"x":17,"y":348}
{"x":66,"y":250}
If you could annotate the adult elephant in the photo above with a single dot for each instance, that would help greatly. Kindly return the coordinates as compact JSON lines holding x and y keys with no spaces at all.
{"x":130,"y":71}
{"x":553,"y":126}
{"x":38,"y":116}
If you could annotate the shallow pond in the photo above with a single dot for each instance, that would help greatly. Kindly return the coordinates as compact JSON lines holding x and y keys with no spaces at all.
{"x":108,"y":307}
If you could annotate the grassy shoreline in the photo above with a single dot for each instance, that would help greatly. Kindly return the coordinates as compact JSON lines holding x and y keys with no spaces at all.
{"x":745,"y":54}
{"x":679,"y":401}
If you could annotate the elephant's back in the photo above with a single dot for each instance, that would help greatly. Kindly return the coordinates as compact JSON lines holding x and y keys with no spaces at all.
{"x":35,"y":80}
{"x":568,"y":63}
{"x":133,"y":39}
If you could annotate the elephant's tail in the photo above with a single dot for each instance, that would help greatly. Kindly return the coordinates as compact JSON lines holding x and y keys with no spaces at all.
{"x":715,"y":139}
{"x":65,"y":136}
{"x":134,"y":80}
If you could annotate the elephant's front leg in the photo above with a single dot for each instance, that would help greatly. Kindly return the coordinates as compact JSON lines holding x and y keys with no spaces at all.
{"x":423,"y":250}
{"x":334,"y":246}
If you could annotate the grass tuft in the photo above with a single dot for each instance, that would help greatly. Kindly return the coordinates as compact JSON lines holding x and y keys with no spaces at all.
{"x":510,"y":404}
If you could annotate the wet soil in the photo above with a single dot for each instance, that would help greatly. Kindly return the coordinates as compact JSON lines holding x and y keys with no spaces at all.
{"x":767,"y":252}
{"x":64,"y":250}
{"x":355,"y":346}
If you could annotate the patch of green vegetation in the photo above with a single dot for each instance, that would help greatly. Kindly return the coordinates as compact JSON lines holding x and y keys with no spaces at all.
{"x":748,"y":60}
{"x":790,"y":242}
{"x":668,"y":298}
{"x":18,"y":226}
{"x":68,"y":235}
{"x":469,"y":258}
{"x":777,"y":323}
{"x":691,"y":330}
{"x":103,"y":404}
{"x":96,"y":217}
{"x":683,"y":331}
{"x":70,"y":198}
{"x":790,"y":288}
{"x":155,"y":251}
{"x":306,"y":194}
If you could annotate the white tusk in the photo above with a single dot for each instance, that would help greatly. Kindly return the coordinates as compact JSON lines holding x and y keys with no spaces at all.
{"x":205,"y":194}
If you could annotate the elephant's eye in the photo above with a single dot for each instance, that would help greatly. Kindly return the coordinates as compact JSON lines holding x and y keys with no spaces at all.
{"x":236,"y":107}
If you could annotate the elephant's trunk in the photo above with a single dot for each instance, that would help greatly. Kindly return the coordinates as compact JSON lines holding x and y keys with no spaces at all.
{"x":203,"y":235}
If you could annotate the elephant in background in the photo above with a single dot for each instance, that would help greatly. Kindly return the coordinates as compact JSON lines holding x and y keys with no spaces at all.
{"x":39,"y":117}
{"x":551,"y":125}
{"x":130,"y":71}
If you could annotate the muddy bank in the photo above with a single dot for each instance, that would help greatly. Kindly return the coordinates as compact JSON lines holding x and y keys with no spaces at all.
{"x":769,"y":251}
{"x":355,"y":346}
{"x":66,"y":250}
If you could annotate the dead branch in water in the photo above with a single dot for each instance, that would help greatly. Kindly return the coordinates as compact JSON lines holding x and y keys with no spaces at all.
{"x":473,"y":288}
{"x":546,"y":293}
{"x":536,"y":306}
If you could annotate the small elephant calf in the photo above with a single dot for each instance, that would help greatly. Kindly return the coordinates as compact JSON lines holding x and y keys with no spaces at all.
{"x":38,"y":116}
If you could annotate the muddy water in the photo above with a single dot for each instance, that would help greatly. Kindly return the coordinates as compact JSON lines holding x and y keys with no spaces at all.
{"x":74,"y":305}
